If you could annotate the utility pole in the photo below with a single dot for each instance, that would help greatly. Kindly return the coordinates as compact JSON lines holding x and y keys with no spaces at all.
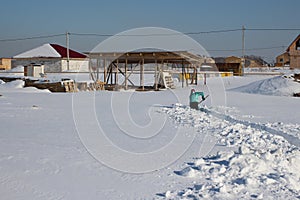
{"x":68,"y":52}
{"x":243,"y":50}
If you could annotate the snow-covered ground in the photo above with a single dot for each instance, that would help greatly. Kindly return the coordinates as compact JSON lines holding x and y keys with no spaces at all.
{"x":243,"y":143}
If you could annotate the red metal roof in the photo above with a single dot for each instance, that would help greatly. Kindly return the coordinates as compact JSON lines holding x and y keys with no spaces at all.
{"x":63,"y":52}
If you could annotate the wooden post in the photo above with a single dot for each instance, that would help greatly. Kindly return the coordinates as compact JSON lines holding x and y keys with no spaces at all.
{"x":188,"y":72}
{"x":90,"y":69}
{"x":116,"y":75}
{"x":156,"y":66}
{"x":142,"y":75}
{"x":111,"y":73}
{"x":126,"y":76}
{"x":196,"y":81}
{"x":97,"y":68}
{"x":143,"y":84}
{"x":104,"y":72}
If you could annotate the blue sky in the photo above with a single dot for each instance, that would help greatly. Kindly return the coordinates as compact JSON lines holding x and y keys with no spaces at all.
{"x":32,"y":18}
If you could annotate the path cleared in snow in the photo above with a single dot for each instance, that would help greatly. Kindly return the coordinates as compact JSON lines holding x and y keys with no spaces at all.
{"x":294,"y":140}
{"x":262,"y":166}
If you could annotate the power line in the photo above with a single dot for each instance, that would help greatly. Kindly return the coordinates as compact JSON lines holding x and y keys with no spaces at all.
{"x":187,"y":33}
{"x":30,"y":38}
{"x":216,"y":31}
{"x":154,"y":34}
{"x":116,"y":35}
{"x":272,"y":29}
{"x":250,"y":49}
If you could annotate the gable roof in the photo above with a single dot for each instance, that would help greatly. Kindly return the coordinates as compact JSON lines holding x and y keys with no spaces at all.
{"x":298,"y":37}
{"x":50,"y":51}
{"x":63,"y":52}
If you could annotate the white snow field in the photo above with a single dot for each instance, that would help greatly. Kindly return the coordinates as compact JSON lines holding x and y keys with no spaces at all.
{"x":242,"y":144}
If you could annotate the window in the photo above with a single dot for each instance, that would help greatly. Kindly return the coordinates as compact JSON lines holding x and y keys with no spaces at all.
{"x":298,"y":45}
{"x":0,"y":61}
{"x":281,"y":60}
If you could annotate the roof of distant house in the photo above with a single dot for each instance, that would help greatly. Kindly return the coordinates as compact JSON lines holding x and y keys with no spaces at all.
{"x":297,"y":38}
{"x":219,"y":59}
{"x":50,"y":51}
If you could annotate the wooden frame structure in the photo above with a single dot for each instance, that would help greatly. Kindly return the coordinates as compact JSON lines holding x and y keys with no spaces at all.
{"x":111,"y":64}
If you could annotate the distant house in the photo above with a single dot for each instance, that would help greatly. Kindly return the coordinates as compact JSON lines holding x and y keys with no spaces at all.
{"x":294,"y":52}
{"x":54,"y":57}
{"x":5,"y":63}
{"x":230,"y":64}
{"x":219,"y":59}
{"x":283,"y":59}
{"x":250,"y":61}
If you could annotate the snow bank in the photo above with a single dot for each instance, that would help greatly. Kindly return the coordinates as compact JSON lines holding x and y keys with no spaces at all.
{"x":13,"y":85}
{"x":277,"y":86}
{"x":18,"y":86}
{"x":18,"y":69}
{"x":14,"y":72}
{"x":261,"y":166}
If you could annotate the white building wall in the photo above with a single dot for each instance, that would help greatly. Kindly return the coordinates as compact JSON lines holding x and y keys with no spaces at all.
{"x":50,"y":65}
{"x":81,"y":65}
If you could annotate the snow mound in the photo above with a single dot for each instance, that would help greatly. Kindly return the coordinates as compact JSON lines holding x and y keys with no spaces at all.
{"x":35,"y":90}
{"x":13,"y":85}
{"x":18,"y":85}
{"x":277,"y":86}
{"x":18,"y":69}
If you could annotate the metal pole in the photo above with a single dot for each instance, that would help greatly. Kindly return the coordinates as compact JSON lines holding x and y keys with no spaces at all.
{"x":243,"y":50}
{"x":68,"y":51}
{"x":182,"y":74}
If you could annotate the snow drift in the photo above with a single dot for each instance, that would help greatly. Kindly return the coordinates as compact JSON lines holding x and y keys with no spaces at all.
{"x":13,"y":85}
{"x":277,"y":86}
{"x":18,"y":69}
{"x":18,"y":86}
